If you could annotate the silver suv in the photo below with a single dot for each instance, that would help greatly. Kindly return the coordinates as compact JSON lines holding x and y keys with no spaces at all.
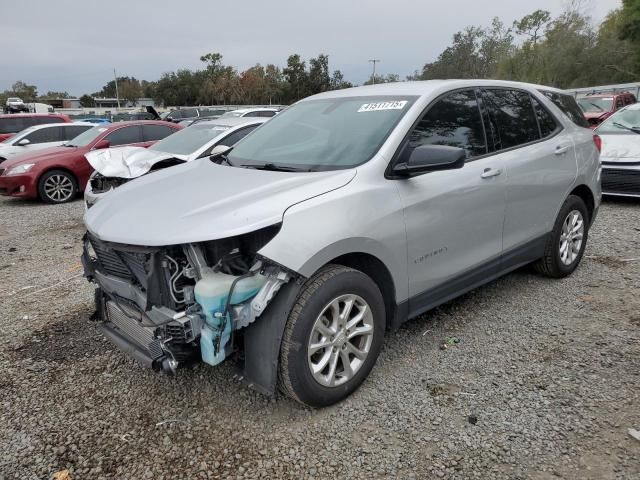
{"x":342,"y":217}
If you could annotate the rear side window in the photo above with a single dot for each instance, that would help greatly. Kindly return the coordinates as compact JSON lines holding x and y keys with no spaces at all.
{"x":125,"y":136}
{"x":45,"y":135}
{"x":72,"y":131}
{"x":546,"y":121}
{"x":156,"y":132}
{"x":41,"y":120}
{"x":512,"y":120}
{"x":236,"y":136}
{"x":454,"y":121}
{"x":568,"y":105}
{"x":14,"y":124}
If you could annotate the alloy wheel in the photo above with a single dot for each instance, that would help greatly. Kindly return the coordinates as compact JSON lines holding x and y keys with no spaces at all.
{"x":58,"y":188}
{"x":571,"y":237}
{"x":340,"y":340}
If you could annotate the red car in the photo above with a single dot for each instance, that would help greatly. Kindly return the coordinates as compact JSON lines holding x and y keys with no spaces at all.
{"x":57,"y":174}
{"x":14,"y":123}
{"x":598,"y":107}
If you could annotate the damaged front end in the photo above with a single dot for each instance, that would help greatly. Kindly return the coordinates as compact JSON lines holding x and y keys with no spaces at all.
{"x":168,"y":306}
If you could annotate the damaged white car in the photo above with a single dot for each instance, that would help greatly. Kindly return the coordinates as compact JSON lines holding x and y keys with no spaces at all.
{"x":116,"y":166}
{"x":343,"y":216}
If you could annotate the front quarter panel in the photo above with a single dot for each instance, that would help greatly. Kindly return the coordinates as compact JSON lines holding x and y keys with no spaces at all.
{"x":364,"y":216}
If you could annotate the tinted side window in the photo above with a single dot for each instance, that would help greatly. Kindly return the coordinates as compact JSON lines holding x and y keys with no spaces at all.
{"x":253,"y":114}
{"x":568,"y":105}
{"x":619,"y":103}
{"x":44,"y":135}
{"x":511,"y":117}
{"x":41,"y":120}
{"x":453,"y":121}
{"x":72,"y":131}
{"x":156,"y":132}
{"x":267,"y":114}
{"x":14,"y":125}
{"x":546,"y":121}
{"x":125,"y":135}
{"x":235,"y":137}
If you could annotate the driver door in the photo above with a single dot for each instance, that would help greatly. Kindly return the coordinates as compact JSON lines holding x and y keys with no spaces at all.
{"x":454,"y":218}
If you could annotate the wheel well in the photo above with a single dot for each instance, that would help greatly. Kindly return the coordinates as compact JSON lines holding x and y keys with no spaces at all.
{"x":586,"y":195}
{"x":378,"y":272}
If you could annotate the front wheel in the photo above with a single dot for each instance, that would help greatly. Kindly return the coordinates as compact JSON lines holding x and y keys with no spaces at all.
{"x":57,"y":186}
{"x":332,"y":338}
{"x":566,"y":243}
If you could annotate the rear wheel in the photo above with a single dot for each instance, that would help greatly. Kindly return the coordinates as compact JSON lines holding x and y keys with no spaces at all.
{"x":333,"y":336}
{"x":567,"y":241}
{"x":57,"y":186}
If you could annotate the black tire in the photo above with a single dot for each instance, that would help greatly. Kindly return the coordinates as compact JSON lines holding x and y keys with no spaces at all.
{"x":50,"y":176}
{"x":551,"y":264}
{"x":295,"y":378}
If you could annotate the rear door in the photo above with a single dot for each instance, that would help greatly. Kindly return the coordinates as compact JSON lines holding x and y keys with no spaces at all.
{"x":453,"y":217}
{"x":539,"y":159}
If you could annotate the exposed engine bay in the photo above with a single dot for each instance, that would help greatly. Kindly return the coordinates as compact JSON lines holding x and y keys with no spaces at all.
{"x":167,"y":306}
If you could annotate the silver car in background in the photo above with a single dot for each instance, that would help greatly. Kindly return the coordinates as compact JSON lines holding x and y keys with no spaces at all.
{"x":116,"y":166}
{"x":344,"y":216}
{"x":620,"y":135}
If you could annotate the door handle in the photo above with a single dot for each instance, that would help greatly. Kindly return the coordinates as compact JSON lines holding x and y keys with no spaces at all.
{"x":561,"y":150}
{"x":491,"y":172}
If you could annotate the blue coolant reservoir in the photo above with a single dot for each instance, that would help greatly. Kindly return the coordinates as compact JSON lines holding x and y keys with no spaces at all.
{"x":211,"y":293}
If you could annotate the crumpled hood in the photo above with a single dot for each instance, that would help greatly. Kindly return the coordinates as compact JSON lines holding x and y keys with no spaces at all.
{"x":126,"y":162}
{"x":624,"y":148}
{"x":201,"y":201}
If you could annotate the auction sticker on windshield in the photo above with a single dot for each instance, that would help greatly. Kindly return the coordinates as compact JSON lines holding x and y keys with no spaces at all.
{"x":375,"y":107}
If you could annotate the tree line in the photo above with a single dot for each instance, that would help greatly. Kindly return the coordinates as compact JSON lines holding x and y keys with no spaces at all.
{"x":565,"y":51}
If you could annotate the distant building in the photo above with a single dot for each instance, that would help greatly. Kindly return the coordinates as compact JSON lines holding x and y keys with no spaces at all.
{"x":113,"y":103}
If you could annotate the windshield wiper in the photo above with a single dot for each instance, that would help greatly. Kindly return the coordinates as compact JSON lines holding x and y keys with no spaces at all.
{"x":273,"y":167}
{"x":597,"y":106}
{"x":626,"y":127}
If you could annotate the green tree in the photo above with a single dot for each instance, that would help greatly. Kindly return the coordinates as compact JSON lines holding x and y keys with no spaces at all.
{"x":338,"y":82}
{"x":319,"y":78}
{"x":295,"y":73}
{"x":28,"y":93}
{"x":87,"y":101}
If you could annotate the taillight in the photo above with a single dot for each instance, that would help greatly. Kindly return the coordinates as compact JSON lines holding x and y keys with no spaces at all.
{"x":598,"y":142}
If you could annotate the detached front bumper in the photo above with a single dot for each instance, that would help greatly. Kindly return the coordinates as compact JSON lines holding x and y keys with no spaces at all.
{"x":18,"y":186}
{"x":620,"y":180}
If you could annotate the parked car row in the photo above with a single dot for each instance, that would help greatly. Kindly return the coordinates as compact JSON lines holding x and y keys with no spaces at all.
{"x":338,"y":219}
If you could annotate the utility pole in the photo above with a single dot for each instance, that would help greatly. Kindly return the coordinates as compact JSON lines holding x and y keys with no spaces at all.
{"x":115,"y":77}
{"x":373,"y":76}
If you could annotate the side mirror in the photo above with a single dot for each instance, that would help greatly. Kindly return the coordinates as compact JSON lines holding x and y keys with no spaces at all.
{"x":219,"y":150}
{"x":102,"y":144}
{"x":24,"y":142}
{"x":430,"y":158}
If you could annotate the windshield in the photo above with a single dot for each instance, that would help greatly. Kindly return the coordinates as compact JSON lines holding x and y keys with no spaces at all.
{"x":622,"y":122}
{"x":595,"y":104}
{"x":329,"y":134}
{"x":187,"y":141}
{"x":14,"y":100}
{"x":86,"y":137}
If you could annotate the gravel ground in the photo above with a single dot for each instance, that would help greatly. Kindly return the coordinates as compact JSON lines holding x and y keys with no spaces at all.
{"x":539,"y":379}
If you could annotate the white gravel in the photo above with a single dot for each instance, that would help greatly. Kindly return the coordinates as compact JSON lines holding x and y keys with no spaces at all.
{"x":542,"y":382}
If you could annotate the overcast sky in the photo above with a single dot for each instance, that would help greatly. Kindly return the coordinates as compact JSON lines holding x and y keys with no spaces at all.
{"x":74,"y":45}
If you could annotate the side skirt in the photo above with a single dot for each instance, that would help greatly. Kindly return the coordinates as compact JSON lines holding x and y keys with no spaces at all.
{"x":470,"y":280}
